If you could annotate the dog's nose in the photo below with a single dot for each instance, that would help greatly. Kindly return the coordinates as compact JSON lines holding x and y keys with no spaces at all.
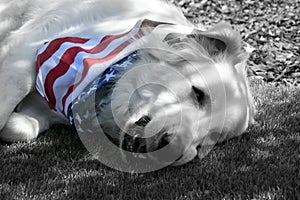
{"x":139,"y":145}
{"x":134,"y":144}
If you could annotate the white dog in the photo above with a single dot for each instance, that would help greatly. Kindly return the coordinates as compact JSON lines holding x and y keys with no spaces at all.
{"x":170,"y":83}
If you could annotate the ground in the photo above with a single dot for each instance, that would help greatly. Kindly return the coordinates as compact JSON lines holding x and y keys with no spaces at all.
{"x":262,"y":164}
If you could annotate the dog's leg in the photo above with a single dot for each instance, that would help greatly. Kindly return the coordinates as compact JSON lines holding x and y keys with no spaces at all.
{"x":17,"y":75}
{"x":19,"y":127}
{"x":11,"y":95}
{"x":33,"y":116}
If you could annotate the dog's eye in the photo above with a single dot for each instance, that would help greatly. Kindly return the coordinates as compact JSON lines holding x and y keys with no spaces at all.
{"x":200,"y":95}
{"x":143,"y":121}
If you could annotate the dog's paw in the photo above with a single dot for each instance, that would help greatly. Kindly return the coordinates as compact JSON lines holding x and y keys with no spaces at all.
{"x":19,"y":128}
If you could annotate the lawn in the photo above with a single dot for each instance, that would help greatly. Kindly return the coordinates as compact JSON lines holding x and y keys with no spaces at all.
{"x":262,"y":164}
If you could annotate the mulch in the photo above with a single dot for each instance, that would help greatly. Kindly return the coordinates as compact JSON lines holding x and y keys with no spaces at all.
{"x":271,"y":28}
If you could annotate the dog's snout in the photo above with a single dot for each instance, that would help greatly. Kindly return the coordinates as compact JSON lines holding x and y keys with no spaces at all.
{"x":134,"y":144}
{"x":138,"y":144}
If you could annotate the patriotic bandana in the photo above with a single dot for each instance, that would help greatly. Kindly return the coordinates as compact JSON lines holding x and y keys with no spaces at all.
{"x":108,"y":77}
{"x":67,"y":66}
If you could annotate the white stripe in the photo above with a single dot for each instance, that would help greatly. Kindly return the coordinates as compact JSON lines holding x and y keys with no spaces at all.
{"x":95,"y":71}
{"x":54,"y":60}
{"x":62,"y":84}
{"x":43,"y":48}
{"x":40,"y":85}
{"x":98,"y":69}
{"x":75,"y":71}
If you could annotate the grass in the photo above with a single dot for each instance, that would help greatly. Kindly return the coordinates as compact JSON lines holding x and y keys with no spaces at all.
{"x":263,"y":164}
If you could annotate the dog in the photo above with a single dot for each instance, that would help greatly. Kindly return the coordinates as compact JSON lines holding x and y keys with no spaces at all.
{"x":172,"y":85}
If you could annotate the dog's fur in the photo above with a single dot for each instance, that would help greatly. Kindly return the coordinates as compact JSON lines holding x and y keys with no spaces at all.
{"x":211,"y":61}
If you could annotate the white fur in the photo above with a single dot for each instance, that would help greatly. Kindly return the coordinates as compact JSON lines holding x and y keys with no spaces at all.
{"x":27,"y":24}
{"x":173,"y":109}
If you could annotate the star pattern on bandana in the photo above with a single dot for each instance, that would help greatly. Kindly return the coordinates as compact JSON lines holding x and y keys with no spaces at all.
{"x":109,"y":76}
{"x":78,"y":118}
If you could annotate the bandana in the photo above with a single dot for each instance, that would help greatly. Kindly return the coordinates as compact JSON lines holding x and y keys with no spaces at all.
{"x":66,"y":66}
{"x":108,"y":77}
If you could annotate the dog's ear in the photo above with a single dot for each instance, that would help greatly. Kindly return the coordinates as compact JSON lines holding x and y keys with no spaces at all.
{"x":220,"y":39}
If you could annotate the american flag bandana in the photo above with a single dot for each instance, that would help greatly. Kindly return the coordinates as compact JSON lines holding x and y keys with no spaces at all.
{"x":108,"y":77}
{"x":66,"y":66}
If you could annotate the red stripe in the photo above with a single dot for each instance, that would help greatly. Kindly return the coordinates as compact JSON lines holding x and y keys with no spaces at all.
{"x":66,"y":60}
{"x":105,"y":42}
{"x":54,"y":46}
{"x":59,"y":70}
{"x":89,"y":62}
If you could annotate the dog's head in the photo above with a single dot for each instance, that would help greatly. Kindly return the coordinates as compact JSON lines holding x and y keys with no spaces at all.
{"x":186,"y":93}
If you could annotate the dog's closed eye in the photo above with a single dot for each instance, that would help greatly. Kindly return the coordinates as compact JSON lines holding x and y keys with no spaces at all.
{"x":200,"y":95}
{"x":143,"y":121}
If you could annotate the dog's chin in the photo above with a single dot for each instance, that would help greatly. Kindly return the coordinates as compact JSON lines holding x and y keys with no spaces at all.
{"x":174,"y":155}
{"x":169,"y":147}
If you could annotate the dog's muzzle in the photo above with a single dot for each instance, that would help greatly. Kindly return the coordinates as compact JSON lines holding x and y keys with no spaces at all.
{"x":140,"y":144}
{"x":160,"y":147}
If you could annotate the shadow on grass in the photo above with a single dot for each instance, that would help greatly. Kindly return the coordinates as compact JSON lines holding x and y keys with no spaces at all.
{"x":263,"y":163}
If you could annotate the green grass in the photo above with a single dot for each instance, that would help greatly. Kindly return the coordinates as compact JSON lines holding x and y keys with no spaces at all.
{"x":263,"y":164}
